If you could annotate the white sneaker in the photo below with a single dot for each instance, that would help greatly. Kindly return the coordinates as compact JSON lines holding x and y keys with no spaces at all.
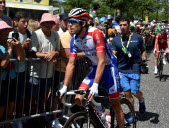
{"x":56,"y":124}
{"x":155,"y":71}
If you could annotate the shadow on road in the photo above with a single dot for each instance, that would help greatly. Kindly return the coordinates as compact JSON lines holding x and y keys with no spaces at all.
{"x":153,"y":117}
{"x":163,"y":77}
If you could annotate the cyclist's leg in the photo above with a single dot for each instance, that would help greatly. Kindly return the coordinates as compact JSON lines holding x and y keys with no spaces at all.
{"x":156,"y":54}
{"x":112,"y":85}
{"x":86,"y":84}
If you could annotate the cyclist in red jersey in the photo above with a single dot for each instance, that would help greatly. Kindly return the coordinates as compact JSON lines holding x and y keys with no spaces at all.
{"x":161,"y":42}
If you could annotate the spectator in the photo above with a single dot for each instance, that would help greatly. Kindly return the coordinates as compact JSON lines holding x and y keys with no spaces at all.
{"x":109,"y":20}
{"x":93,"y":15}
{"x":33,"y":25}
{"x":57,"y":24}
{"x":23,"y":34}
{"x":2,"y":16}
{"x":63,"y":23}
{"x":45,"y":45}
{"x":8,"y":49}
{"x":128,"y":47}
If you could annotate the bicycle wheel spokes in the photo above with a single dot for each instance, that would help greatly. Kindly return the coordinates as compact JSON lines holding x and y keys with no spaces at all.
{"x":129,"y":113}
{"x":79,"y":120}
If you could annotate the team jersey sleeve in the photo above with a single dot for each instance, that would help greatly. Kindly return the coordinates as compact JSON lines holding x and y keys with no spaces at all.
{"x":73,"y":48}
{"x":157,"y":38}
{"x":98,"y":38}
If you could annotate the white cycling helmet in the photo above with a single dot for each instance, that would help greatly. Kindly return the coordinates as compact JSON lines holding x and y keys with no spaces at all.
{"x":79,"y":13}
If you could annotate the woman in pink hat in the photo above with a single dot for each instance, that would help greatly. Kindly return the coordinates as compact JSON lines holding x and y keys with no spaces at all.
{"x":8,"y":49}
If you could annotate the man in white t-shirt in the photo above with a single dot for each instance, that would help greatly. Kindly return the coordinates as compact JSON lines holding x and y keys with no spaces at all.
{"x":45,"y":45}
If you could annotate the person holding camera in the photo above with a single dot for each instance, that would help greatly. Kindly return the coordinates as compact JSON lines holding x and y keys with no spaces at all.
{"x":130,"y":51}
{"x":8,"y":49}
{"x":22,"y":34}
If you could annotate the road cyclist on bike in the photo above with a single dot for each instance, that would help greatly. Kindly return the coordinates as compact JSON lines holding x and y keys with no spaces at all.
{"x":92,"y":42}
{"x":161,"y":42}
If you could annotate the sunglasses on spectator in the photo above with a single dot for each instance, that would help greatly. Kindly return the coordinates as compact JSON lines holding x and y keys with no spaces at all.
{"x":2,"y":2}
{"x":73,"y":21}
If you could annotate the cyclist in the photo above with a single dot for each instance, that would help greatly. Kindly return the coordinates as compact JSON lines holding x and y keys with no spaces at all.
{"x":161,"y":42}
{"x":92,"y":42}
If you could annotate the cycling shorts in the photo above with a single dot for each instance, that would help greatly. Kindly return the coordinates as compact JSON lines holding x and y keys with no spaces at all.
{"x":110,"y":77}
{"x":130,"y":82}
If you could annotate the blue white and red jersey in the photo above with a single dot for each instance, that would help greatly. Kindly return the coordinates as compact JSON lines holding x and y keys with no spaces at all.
{"x":92,"y":43}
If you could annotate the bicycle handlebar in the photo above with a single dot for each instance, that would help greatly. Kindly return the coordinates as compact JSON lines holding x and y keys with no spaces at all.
{"x":163,"y":51}
{"x":74,"y":92}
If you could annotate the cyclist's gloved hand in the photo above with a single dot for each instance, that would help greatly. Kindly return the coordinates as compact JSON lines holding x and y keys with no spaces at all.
{"x":94,"y":89}
{"x":63,"y":90}
{"x":154,"y":50}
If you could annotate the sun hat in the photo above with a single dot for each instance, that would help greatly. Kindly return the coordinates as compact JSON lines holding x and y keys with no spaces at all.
{"x":47,"y":17}
{"x":4,"y":25}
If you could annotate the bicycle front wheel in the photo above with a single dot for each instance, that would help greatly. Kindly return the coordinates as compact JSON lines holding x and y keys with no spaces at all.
{"x":160,"y":66}
{"x":129,"y":113}
{"x":80,"y":120}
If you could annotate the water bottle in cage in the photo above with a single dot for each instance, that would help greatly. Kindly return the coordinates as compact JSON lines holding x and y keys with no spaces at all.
{"x":108,"y":119}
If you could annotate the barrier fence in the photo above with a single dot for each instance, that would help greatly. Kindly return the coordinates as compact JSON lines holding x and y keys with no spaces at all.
{"x":24,"y":96}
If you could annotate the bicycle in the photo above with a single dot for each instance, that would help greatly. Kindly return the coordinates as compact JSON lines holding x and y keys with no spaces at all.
{"x":89,"y":118}
{"x":160,"y":63}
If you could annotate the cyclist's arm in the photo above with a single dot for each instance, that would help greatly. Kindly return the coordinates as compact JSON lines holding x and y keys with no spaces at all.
{"x":100,"y":67}
{"x":168,"y":40}
{"x":156,"y":42}
{"x":69,"y":70}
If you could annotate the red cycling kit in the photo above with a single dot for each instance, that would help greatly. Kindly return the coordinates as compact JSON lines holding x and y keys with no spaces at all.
{"x":161,"y":42}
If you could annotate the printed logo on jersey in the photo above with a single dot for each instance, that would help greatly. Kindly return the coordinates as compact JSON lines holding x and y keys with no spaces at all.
{"x":111,"y":90}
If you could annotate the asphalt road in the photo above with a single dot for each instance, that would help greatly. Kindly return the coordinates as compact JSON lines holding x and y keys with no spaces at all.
{"x":156,"y":95}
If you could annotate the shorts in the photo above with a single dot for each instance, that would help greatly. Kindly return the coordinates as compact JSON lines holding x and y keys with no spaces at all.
{"x":5,"y":95}
{"x":110,"y":77}
{"x":39,"y":86}
{"x":163,"y":46}
{"x":130,"y":82}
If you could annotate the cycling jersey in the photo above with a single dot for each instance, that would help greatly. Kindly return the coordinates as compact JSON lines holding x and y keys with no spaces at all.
{"x":92,"y":43}
{"x":162,"y":39}
{"x":161,"y":42}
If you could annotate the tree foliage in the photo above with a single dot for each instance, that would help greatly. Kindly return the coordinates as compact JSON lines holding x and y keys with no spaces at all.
{"x":156,"y":9}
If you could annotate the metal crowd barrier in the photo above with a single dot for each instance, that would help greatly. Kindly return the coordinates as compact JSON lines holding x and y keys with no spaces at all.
{"x":81,"y":70}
